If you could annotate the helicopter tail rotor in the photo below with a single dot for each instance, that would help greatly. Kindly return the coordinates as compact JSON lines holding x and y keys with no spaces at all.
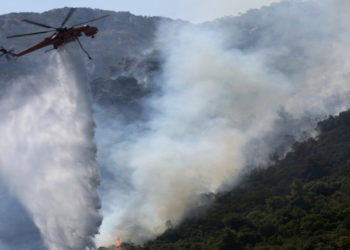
{"x":7,"y":53}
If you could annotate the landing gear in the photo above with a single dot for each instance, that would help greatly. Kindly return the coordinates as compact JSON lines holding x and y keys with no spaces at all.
{"x":82,"y":48}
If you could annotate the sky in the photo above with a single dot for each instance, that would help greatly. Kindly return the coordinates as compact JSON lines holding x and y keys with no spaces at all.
{"x":192,"y":10}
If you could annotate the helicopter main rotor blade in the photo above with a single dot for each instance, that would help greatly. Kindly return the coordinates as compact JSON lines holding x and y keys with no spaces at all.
{"x":70,"y":13}
{"x":30,"y":34}
{"x":38,"y":24}
{"x":92,"y":20}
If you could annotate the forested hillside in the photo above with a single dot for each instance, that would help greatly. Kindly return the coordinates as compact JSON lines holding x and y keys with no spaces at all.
{"x":301,"y":202}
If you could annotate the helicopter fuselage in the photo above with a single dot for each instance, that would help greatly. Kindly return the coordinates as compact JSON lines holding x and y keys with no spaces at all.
{"x":61,"y":37}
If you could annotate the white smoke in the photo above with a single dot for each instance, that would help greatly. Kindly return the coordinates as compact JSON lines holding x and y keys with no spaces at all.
{"x":231,"y":92}
{"x":47,"y":159}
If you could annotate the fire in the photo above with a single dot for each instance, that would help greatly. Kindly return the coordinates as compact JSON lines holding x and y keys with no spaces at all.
{"x":118,"y":242}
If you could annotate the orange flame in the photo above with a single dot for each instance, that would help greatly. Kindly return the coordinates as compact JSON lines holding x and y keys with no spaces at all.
{"x":118,"y":242}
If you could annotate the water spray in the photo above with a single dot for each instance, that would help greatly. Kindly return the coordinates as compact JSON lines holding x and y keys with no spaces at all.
{"x":48,"y":154}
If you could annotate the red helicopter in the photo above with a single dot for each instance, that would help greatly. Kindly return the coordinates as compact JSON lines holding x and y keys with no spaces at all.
{"x":61,"y":36}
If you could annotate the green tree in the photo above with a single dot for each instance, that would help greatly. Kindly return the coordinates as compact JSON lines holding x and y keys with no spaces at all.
{"x":229,"y":241}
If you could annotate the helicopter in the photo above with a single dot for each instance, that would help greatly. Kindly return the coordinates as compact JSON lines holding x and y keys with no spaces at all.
{"x":61,"y":35}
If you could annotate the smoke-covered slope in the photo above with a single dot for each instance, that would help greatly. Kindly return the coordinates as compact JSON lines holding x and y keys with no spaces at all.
{"x":301,"y":202}
{"x":231,"y":96}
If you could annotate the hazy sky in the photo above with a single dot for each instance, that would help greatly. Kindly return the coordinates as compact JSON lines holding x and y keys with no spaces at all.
{"x":192,"y":10}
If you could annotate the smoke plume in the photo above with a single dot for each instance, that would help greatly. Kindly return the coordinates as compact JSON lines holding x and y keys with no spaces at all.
{"x":233,"y":93}
{"x":48,"y":169}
